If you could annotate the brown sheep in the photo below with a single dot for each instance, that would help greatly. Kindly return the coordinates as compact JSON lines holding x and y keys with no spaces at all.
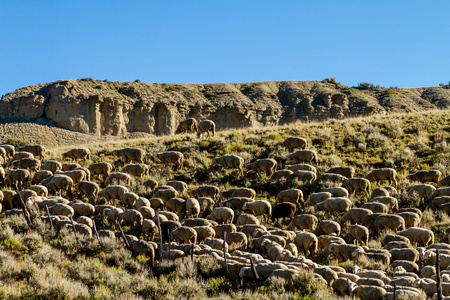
{"x":137,"y":170}
{"x":210,"y":191}
{"x":379,"y":175}
{"x":88,"y":189}
{"x":206,"y":127}
{"x":283,"y":210}
{"x":36,"y":150}
{"x":77,"y":153}
{"x":118,"y":178}
{"x":19,"y":177}
{"x":102,"y":168}
{"x":260,"y":166}
{"x":294,"y":143}
{"x":130,"y":154}
{"x":52,"y":165}
{"x":32,"y":164}
{"x":171,"y":158}
{"x":187,"y":125}
{"x":348,"y":172}
{"x":302,"y":156}
{"x":230,"y":161}
{"x":425,"y":176}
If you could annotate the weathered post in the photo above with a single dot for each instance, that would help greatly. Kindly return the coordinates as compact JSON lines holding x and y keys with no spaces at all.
{"x":224,"y":252}
{"x":395,"y":290}
{"x":49,"y":217}
{"x":160,"y":241}
{"x":96,"y":233}
{"x":438,"y":276}
{"x":124,"y":238}
{"x":252,"y":265}
{"x":26,"y":214}
{"x":168,"y":237}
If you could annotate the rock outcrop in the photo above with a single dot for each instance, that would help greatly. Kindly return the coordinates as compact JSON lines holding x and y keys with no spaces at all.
{"x":116,"y":108}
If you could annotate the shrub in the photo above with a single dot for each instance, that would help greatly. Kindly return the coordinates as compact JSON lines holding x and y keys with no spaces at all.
{"x":375,"y":140}
{"x":16,"y":142}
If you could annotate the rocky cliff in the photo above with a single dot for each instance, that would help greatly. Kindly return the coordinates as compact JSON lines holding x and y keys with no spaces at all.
{"x":116,"y":108}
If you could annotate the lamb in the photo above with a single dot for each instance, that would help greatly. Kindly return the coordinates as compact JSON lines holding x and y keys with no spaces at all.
{"x":236,"y":203}
{"x":425,"y":176}
{"x":129,"y":199}
{"x":206,"y":127}
{"x":218,"y":244}
{"x":180,"y":186}
{"x":118,"y":178}
{"x":187,"y":125}
{"x":238,"y":192}
{"x":390,"y":202}
{"x":283,"y":210}
{"x":83,"y":209}
{"x":87,"y":188}
{"x":315,"y":198}
{"x":302,"y":156}
{"x":230,"y":161}
{"x":329,"y":178}
{"x":303,"y":176}
{"x":59,"y":183}
{"x":303,"y":167}
{"x":112,"y":192}
{"x":376,"y":207}
{"x":358,"y":233}
{"x":306,"y":242}
{"x":281,"y":175}
{"x":379,"y":175}
{"x":31,"y":164}
{"x":171,"y":158}
{"x":41,"y":175}
{"x":184,"y":235}
{"x":130,"y":154}
{"x":222,"y":215}
{"x":77,"y":153}
{"x":52,"y":165}
{"x":131,"y":217}
{"x":262,"y":166}
{"x":176,"y":205}
{"x":36,"y":150}
{"x":421,"y":236}
{"x":332,"y":205}
{"x":294,"y":143}
{"x":236,"y":239}
{"x":411,"y":219}
{"x":303,"y":222}
{"x":258,"y":208}
{"x":423,"y":191}
{"x":102,"y":168}
{"x":358,"y":185}
{"x":348,"y":172}
{"x":206,"y":191}
{"x":290,"y":195}
{"x":329,"y":227}
{"x":337,"y":191}
{"x":245,"y":219}
{"x":379,"y":192}
{"x":136,"y":170}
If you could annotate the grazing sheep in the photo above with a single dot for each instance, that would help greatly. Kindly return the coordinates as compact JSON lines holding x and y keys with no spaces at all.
{"x":102,"y":168}
{"x":273,"y":249}
{"x":136,"y":170}
{"x":39,"y":189}
{"x":88,"y":189}
{"x":171,"y":158}
{"x":238,"y":192}
{"x":301,"y":167}
{"x":411,"y":219}
{"x":165,"y":194}
{"x":191,"y":222}
{"x":394,"y":238}
{"x":378,"y":222}
{"x":61,"y":209}
{"x":118,"y":178}
{"x":187,"y":125}
{"x":206,"y":127}
{"x":129,"y":199}
{"x":329,"y":227}
{"x":86,"y":221}
{"x":59,"y":183}
{"x":306,"y":242}
{"x":245,"y":219}
{"x":210,"y":191}
{"x":379,"y":175}
{"x":379,"y":192}
{"x":221,"y":229}
{"x":176,"y":205}
{"x":262,"y":166}
{"x":396,"y":245}
{"x":230,"y":161}
{"x":358,"y":233}
{"x":390,"y":202}
{"x":303,"y":222}
{"x":32,"y":164}
{"x":341,"y":286}
{"x":141,"y":247}
{"x":344,"y":252}
{"x":9,"y":150}
{"x":358,"y":185}
{"x":290,"y":195}
{"x":281,"y":175}
{"x":333,"y":205}
{"x":315,"y":198}
{"x":150,"y":184}
{"x":337,"y":191}
{"x":438,"y":201}
{"x":218,"y":244}
{"x":192,"y":207}
{"x":112,"y":192}
{"x":404,"y":254}
{"x":204,"y":232}
{"x":330,"y":178}
{"x":106,"y":234}
{"x":148,"y":227}
{"x":52,"y":165}
{"x":19,"y":177}
{"x":180,"y":186}
{"x":184,"y":235}
{"x":76,"y":175}
{"x":77,"y":153}
{"x":206,"y":205}
{"x":369,"y":292}
{"x":83,"y":209}
{"x":221,"y":215}
{"x":439,"y":193}
{"x":283,"y":210}
{"x":131,"y":217}
{"x":348,"y":172}
{"x":421,"y":236}
{"x":304,"y":176}
{"x":376,"y":207}
{"x":36,"y":150}
{"x":41,"y":175}
{"x":423,"y":191}
{"x":146,"y":212}
{"x":156,"y":203}
{"x":425,"y":176}
{"x":258,"y":208}
{"x":302,"y":156}
{"x":21,"y":155}
{"x":171,"y":216}
{"x":236,"y":239}
{"x":236,"y":203}
{"x":130,"y":154}
{"x":294,"y":143}
{"x":112,"y":214}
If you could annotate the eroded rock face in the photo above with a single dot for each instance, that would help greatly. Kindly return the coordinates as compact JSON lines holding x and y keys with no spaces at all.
{"x":117,"y":108}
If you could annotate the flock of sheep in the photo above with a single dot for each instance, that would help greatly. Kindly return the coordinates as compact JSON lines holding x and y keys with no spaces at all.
{"x":233,"y":227}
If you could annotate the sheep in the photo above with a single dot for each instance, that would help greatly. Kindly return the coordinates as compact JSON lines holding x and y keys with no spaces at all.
{"x":341,"y":286}
{"x":40,"y":190}
{"x":222,"y":215}
{"x":315,"y":198}
{"x":376,"y":223}
{"x":206,"y":126}
{"x":329,"y":178}
{"x":118,"y":178}
{"x":83,"y":209}
{"x":245,"y":219}
{"x":112,"y":214}
{"x":376,"y":207}
{"x":357,"y":185}
{"x":290,"y":195}
{"x":258,"y":208}
{"x":425,"y":176}
{"x":302,"y":156}
{"x":129,"y":199}
{"x":394,"y":238}
{"x":221,"y":229}
{"x":41,"y":175}
{"x":148,"y":227}
{"x":379,"y":175}
{"x":76,"y":175}
{"x":131,"y":217}
{"x":344,"y":252}
{"x":430,"y":287}
{"x":439,"y":192}
{"x":326,"y":273}
{"x":21,"y":155}
{"x":112,"y":192}
{"x":421,"y":236}
{"x":86,"y":171}
{"x":171,"y":158}
{"x":370,"y":282}
{"x":303,"y":167}
{"x":273,"y":249}
{"x":86,"y":221}
{"x":396,"y":245}
{"x":438,"y":201}
{"x":100,"y":208}
{"x":281,"y":175}
{"x":176,"y":205}
{"x":156,"y":203}
{"x":9,"y":150}
{"x":206,"y":205}
{"x":31,"y":164}
{"x":306,"y":242}
{"x":358,"y":233}
{"x":87,"y":188}
{"x":184,"y":235}
{"x":379,"y":192}
{"x":337,"y":191}
{"x":206,"y":191}
{"x":106,"y":234}
{"x":348,"y":172}
{"x":180,"y":186}
{"x":218,"y":244}
{"x":390,"y":202}
{"x":332,"y":205}
{"x":294,"y":143}
{"x":306,"y":177}
{"x":150,"y":184}
{"x":230,"y":161}
{"x":236,"y":239}
{"x":329,"y":227}
{"x":189,"y":124}
{"x":204,"y":232}
{"x":102,"y":168}
{"x":411,"y":219}
{"x":62,"y":209}
{"x":52,"y":165}
{"x":303,"y":222}
{"x":77,"y":153}
{"x":130,"y":154}
{"x":423,"y":191}
{"x":59,"y":183}
{"x":165,"y":194}
{"x":404,"y":254}
{"x":236,"y":203}
{"x":36,"y":150}
{"x":136,"y":170}
{"x":171,"y":216}
{"x":19,"y":177}
{"x":262,"y":269}
{"x":141,"y":247}
{"x":192,"y":207}
{"x":262,"y":166}
{"x":283,"y":210}
{"x":238,"y":192}
{"x":354,"y":216}
{"x":369,"y":292}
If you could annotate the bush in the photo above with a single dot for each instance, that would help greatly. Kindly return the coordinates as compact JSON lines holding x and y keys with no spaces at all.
{"x":16,"y":142}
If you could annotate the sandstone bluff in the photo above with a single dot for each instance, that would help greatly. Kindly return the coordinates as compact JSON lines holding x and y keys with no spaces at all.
{"x":117,"y":108}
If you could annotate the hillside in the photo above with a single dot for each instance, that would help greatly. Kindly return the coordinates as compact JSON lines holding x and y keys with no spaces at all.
{"x":118,"y":108}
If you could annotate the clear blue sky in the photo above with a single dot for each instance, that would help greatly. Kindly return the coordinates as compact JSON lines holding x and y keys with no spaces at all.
{"x":388,"y":43}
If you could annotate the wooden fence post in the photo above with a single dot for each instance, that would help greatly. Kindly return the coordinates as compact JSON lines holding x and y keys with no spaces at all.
{"x":438,"y":276}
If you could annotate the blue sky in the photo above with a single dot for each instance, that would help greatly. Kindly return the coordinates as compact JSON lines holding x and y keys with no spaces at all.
{"x":388,"y":43}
